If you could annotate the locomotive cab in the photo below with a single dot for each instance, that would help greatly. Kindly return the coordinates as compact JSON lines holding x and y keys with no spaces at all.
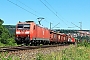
{"x":22,"y":34}
{"x":31,"y":33}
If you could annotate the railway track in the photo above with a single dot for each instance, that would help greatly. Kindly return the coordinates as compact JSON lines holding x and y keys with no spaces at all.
{"x":16,"y":48}
{"x":30,"y":52}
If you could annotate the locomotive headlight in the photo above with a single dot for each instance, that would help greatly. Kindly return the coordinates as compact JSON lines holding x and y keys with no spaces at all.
{"x":26,"y":32}
{"x":17,"y":32}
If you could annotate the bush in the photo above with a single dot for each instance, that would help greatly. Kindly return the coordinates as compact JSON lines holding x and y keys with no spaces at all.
{"x":83,"y":43}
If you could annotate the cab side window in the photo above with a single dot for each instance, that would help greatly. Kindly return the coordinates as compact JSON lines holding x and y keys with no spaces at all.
{"x":34,"y":27}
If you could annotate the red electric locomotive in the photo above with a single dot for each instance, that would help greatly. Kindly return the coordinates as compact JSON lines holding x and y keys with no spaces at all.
{"x":28,"y":32}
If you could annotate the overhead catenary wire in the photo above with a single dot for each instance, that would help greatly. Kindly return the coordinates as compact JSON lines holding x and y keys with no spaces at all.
{"x":26,"y":9}
{"x":31,"y":9}
{"x":22,"y":8}
{"x":52,"y":11}
{"x":60,"y":15}
{"x":50,"y":6}
{"x":35,"y":11}
{"x":27,"y":6}
{"x":53,"y":8}
{"x":56,"y":13}
{"x":75,"y":25}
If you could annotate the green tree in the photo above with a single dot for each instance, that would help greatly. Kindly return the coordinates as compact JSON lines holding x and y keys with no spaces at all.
{"x":4,"y":33}
{"x":5,"y":36}
{"x":1,"y":21}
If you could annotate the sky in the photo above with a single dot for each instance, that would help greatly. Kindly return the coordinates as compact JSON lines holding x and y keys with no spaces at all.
{"x":63,"y":14}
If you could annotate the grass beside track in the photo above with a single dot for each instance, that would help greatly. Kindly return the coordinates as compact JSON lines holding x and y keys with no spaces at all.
{"x":4,"y":56}
{"x":73,"y":53}
{"x":80,"y":52}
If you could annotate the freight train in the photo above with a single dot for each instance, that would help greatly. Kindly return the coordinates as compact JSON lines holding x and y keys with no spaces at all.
{"x":29,"y":32}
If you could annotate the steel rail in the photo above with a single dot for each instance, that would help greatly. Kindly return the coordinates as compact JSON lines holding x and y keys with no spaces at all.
{"x":16,"y":48}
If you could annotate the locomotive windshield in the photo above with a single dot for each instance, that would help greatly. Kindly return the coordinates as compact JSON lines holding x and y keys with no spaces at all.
{"x":23,"y":26}
{"x":20,"y":26}
{"x":26,"y":26}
